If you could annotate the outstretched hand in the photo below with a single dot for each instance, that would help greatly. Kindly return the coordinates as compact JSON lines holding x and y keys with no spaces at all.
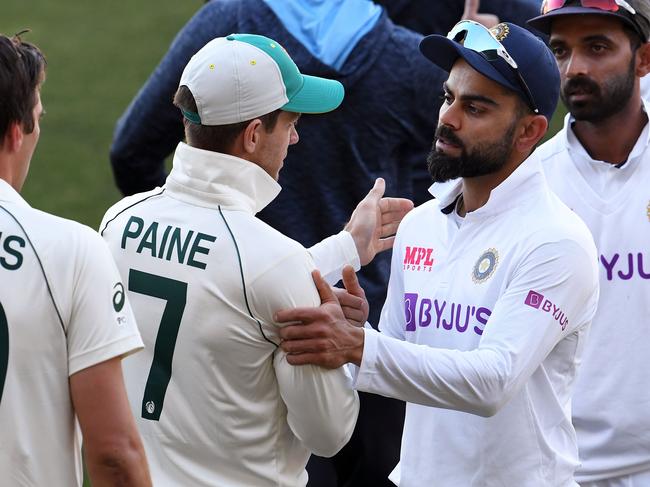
{"x":322,"y":335}
{"x":353,"y":298}
{"x":374,"y":221}
{"x":471,"y":13}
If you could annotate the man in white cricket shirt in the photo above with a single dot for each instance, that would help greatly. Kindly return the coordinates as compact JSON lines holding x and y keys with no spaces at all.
{"x":65,"y":322}
{"x":492,"y":290}
{"x":599,"y":165}
{"x":217,"y":403}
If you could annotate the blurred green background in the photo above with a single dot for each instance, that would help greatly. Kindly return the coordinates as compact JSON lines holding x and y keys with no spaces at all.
{"x":99,"y":54}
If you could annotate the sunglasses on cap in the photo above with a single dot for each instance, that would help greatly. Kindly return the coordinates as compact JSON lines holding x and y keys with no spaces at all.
{"x":478,"y":38}
{"x":608,"y":5}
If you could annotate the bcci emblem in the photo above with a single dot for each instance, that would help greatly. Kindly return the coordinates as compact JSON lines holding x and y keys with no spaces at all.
{"x":485,"y":265}
{"x":648,"y":211}
{"x":500,"y":31}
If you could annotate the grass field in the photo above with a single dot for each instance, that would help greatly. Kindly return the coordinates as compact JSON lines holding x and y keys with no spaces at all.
{"x":99,"y":54}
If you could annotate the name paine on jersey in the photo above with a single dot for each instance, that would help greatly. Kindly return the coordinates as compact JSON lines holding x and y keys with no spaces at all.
{"x":167,"y":242}
{"x":11,"y":257}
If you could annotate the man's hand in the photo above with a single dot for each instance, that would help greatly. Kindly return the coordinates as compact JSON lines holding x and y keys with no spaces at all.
{"x":375,"y":220}
{"x":471,"y":13}
{"x":322,"y":336}
{"x":353,"y":298}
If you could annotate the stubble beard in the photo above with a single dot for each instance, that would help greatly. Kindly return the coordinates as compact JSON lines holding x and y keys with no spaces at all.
{"x":607,"y":100}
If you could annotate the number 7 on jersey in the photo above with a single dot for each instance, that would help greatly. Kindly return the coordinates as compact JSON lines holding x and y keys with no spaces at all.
{"x":175,"y":293}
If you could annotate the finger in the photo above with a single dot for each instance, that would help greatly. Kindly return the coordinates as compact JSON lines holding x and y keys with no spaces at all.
{"x":307,"y":345}
{"x":351,"y":283}
{"x":385,"y":244}
{"x":347,"y":300}
{"x":355,"y":315}
{"x":377,"y":191}
{"x":324,"y":290}
{"x":389,"y":229}
{"x":301,"y":331}
{"x":398,"y":205}
{"x":471,"y":7}
{"x":303,"y":315}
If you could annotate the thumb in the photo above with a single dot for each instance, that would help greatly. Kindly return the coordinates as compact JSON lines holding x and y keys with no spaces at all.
{"x":471,"y":8}
{"x":351,"y":282}
{"x":377,"y":190}
{"x":324,"y":290}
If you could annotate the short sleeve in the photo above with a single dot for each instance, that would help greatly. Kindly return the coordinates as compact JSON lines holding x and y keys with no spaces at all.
{"x":101,"y":324}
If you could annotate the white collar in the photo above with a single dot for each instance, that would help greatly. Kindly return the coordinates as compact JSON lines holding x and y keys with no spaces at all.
{"x":9,"y":194}
{"x":212,"y":179}
{"x":516,"y":188}
{"x":572,"y":143}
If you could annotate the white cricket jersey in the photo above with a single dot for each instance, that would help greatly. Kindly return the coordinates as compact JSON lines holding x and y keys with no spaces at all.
{"x":645,"y":87}
{"x":482,"y":332}
{"x":216,"y":402}
{"x":612,"y":394}
{"x":62,"y":309}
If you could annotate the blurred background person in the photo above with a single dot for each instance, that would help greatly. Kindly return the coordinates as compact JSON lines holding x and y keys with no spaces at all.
{"x":599,"y":165}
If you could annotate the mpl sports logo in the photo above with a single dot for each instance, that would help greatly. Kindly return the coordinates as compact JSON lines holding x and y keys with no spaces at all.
{"x":418,"y":259}
{"x":538,"y":301}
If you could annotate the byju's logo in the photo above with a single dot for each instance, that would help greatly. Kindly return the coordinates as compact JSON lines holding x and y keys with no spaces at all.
{"x":420,"y":312}
{"x":534,"y":299}
{"x":537,"y":301}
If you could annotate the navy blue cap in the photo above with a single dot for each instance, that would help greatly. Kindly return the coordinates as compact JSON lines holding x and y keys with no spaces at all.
{"x":535,"y":63}
{"x":640,"y":21}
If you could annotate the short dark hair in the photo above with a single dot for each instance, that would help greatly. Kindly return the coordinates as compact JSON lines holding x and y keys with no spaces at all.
{"x":215,"y":138}
{"x":22,"y":70}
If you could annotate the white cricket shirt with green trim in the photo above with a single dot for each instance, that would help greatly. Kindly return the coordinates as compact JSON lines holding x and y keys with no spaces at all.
{"x":612,"y":394}
{"x":482,"y":332}
{"x":62,"y":309}
{"x":215,"y":399}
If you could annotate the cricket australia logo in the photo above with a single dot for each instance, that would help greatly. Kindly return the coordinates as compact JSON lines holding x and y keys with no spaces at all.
{"x":485,"y":266}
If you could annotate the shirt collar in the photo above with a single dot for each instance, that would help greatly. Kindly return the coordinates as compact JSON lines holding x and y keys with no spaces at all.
{"x":572,"y":143}
{"x":212,"y":179}
{"x":9,"y":194}
{"x":516,"y":188}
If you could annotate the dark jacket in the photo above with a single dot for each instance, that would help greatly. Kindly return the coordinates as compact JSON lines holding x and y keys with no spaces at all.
{"x":439,"y":16}
{"x":383,"y":128}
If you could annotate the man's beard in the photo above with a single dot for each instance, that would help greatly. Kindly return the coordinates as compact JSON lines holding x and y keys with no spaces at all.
{"x":484,"y":158}
{"x":607,"y":100}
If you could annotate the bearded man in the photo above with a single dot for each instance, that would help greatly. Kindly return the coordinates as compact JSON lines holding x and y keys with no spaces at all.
{"x":492,"y":290}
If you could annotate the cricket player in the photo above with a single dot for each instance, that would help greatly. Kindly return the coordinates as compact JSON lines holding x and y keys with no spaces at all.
{"x":217,"y":403}
{"x":65,"y":321}
{"x":492,"y":290}
{"x":599,"y":165}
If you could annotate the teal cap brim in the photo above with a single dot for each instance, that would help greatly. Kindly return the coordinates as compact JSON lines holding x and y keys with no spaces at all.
{"x":317,"y":95}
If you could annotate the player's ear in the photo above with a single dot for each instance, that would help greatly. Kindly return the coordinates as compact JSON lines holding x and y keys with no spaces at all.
{"x":643,"y":60}
{"x":13,"y":139}
{"x":531,"y":130}
{"x":251,"y":136}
